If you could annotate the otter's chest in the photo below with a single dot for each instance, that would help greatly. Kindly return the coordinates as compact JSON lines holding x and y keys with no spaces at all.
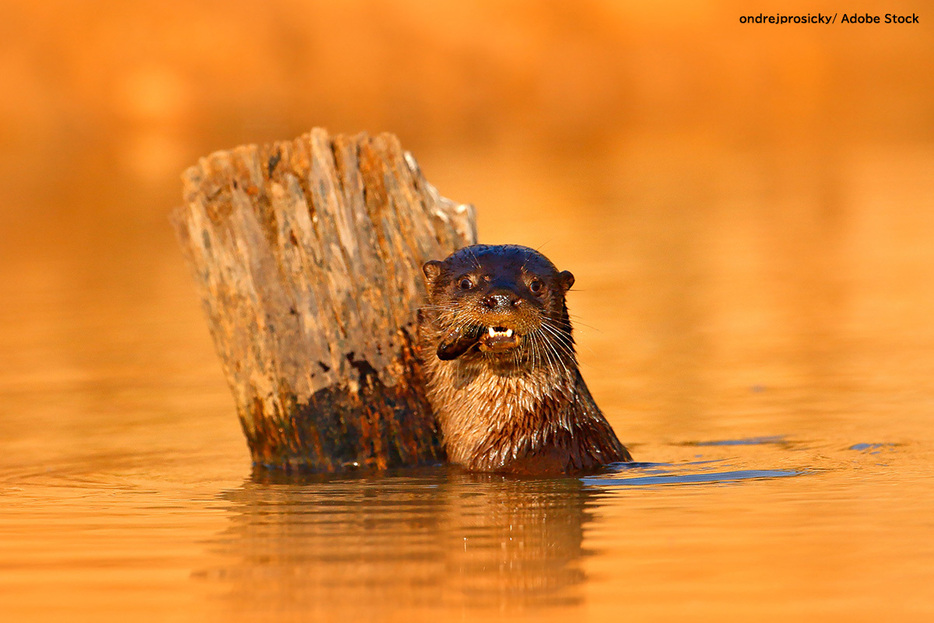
{"x":473,"y":403}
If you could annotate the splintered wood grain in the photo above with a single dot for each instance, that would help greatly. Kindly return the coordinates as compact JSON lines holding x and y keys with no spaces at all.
{"x":307,"y":255}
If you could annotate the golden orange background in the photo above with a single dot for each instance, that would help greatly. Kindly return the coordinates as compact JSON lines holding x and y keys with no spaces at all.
{"x":748,"y":210}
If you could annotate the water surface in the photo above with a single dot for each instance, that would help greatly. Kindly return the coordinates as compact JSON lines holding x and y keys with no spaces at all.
{"x":779,"y":407}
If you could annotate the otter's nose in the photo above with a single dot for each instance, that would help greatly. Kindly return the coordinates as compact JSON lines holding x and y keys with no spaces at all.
{"x":501,"y":299}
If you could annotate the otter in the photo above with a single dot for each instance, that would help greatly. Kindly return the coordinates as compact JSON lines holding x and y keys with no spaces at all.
{"x":501,"y":370}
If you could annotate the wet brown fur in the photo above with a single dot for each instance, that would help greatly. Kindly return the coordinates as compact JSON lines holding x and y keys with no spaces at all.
{"x":518,"y":410}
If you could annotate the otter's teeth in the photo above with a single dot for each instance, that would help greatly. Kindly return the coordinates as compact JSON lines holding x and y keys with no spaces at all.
{"x":494,"y":332}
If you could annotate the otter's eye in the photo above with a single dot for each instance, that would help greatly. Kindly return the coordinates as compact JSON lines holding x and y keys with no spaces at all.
{"x":465,"y":283}
{"x":536,"y":286}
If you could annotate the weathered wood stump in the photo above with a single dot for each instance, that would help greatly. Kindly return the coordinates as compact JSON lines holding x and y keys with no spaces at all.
{"x":307,"y":255}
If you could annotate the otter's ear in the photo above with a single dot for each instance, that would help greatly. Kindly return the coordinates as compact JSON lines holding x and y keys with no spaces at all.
{"x":566,"y":279}
{"x":432,"y":269}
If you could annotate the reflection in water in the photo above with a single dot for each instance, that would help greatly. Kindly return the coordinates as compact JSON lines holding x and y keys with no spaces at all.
{"x":419,"y":539}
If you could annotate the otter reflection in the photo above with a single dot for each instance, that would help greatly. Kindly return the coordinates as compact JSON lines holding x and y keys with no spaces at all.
{"x":415,"y":540}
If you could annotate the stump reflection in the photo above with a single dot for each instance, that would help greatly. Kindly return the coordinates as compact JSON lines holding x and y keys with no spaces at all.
{"x":367,"y":546}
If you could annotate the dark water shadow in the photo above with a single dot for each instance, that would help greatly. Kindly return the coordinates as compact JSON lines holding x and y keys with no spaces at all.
{"x":776,"y":440}
{"x":683,"y":475}
{"x":873,"y":448}
{"x":709,"y":471}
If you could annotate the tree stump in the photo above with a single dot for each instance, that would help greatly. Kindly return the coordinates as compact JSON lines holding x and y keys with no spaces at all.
{"x":307,"y":256}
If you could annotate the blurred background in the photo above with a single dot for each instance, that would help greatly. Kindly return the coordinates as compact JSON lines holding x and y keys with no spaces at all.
{"x":747,"y":210}
{"x":696,"y":173}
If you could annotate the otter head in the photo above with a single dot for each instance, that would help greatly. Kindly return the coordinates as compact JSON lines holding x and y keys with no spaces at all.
{"x":502,"y":303}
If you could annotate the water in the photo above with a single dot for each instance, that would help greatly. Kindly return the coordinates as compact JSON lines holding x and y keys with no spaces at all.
{"x":779,"y":405}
